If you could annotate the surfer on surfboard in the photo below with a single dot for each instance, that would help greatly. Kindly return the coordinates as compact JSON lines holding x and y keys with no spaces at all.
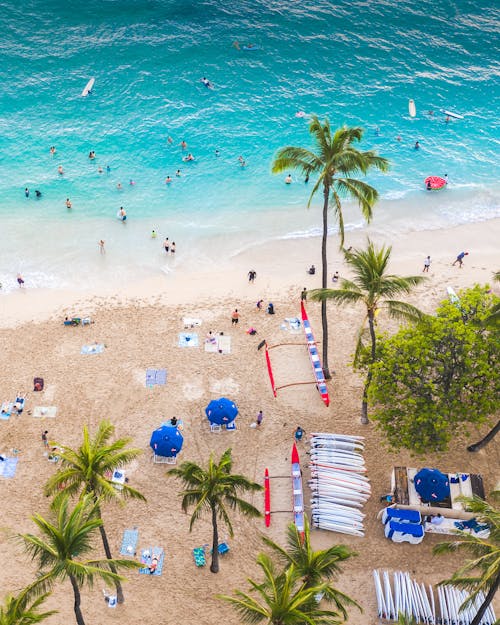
{"x":207,"y":83}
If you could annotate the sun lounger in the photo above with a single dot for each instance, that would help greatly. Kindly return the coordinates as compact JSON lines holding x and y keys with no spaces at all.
{"x":188,"y":339}
{"x":129,"y":542}
{"x":231,"y":427}
{"x":8,"y":467}
{"x":148,"y":558}
{"x":199,"y":556}
{"x":95,"y":348}
{"x":45,"y":412}
{"x":5,"y":410}
{"x":156,"y":376}
{"x":191,"y":322}
{"x":404,"y":532}
{"x":401,"y":516}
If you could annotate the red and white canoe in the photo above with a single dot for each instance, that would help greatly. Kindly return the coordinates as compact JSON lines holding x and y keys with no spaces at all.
{"x":434,"y":183}
{"x":298,"y":493}
{"x":267,"y":498}
{"x":314,"y":357}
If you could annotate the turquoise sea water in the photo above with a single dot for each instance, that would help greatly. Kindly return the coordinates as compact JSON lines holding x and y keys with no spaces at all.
{"x":358,"y":62}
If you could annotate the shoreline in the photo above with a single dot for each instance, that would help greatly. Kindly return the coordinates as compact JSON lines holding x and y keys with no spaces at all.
{"x":281,"y":269}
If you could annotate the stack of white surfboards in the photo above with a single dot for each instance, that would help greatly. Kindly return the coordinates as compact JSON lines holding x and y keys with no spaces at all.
{"x":339,"y":486}
{"x":404,"y":595}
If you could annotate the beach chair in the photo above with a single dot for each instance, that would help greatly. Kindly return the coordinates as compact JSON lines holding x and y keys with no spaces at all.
{"x":401,"y":516}
{"x":129,"y":542}
{"x":404,"y":532}
{"x":231,"y":427}
{"x":199,"y":556}
{"x":215,"y":427}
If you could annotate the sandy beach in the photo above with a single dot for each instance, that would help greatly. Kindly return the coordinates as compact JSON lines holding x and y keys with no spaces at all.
{"x":139,"y":325}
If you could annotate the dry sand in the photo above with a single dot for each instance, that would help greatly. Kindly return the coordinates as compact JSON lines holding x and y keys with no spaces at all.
{"x":139,"y":326}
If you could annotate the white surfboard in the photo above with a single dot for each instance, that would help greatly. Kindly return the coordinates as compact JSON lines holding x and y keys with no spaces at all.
{"x":451,"y":114}
{"x":88,"y":87}
{"x":412,"y":109}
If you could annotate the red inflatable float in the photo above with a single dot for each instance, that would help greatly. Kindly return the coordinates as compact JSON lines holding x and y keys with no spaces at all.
{"x":434,"y":183}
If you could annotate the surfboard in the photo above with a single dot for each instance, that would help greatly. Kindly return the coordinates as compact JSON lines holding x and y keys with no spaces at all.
{"x":267,"y":498}
{"x":88,"y":87}
{"x":412,"y":109}
{"x":451,"y":114}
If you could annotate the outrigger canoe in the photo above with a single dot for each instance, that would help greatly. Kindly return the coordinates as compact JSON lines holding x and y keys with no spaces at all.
{"x":434,"y":183}
{"x":314,"y":357}
{"x":298,"y":493}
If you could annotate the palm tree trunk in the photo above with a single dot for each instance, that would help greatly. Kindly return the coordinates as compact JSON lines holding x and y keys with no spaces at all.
{"x":364,"y":405}
{"x":76,"y":607}
{"x":105,"y":543}
{"x":487,"y":600}
{"x":487,"y":439}
{"x":214,"y":566}
{"x":324,"y":281}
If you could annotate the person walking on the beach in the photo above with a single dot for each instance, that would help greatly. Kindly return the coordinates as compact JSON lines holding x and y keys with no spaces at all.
{"x":298,"y":434}
{"x":166,"y":245}
{"x":20,"y":280}
{"x":460,"y":259}
{"x":45,"y":439}
{"x":172,"y":248}
{"x":260,"y":416}
{"x":252,"y":274}
{"x":259,"y":304}
{"x":235,"y":317}
{"x":427,"y":264}
{"x":101,"y":247}
{"x":303,"y":295}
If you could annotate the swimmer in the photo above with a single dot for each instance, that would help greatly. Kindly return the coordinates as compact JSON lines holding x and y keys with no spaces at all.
{"x":288,"y":179}
{"x":153,"y":234}
{"x":169,"y":140}
{"x":300,"y":114}
{"x":430,"y":113}
{"x":217,"y":153}
{"x":447,"y":120}
{"x":398,"y":138}
{"x":183,"y":144}
{"x":119,"y":186}
{"x":38,"y":193}
{"x":68,"y":203}
{"x":91,"y":155}
{"x":236,"y":44}
{"x":122,"y":214}
{"x":26,"y":192}
{"x":172,"y":248}
{"x":100,"y":170}
{"x":207,"y":83}
{"x":417,"y":145}
{"x":131,"y":182}
{"x":52,"y":150}
{"x":168,"y":180}
{"x":108,"y":169}
{"x":178,"y":173}
{"x":306,"y":179}
{"x":60,"y":170}
{"x":189,"y":157}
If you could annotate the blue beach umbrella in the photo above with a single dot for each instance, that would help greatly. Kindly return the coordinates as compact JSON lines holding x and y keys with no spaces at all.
{"x":432,"y":485}
{"x":221,"y":411}
{"x":166,"y":441}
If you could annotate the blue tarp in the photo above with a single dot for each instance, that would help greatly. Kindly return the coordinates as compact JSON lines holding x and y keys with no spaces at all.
{"x":221,"y":411}
{"x":432,"y":485}
{"x":166,"y":441}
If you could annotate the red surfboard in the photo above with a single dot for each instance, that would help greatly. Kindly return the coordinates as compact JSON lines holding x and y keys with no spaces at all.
{"x":267,"y":498}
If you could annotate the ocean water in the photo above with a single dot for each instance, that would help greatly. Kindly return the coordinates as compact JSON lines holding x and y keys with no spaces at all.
{"x":357,"y":62}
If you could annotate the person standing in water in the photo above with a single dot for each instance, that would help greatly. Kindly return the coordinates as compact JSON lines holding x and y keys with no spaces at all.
{"x":166,"y":245}
{"x":122,"y":214}
{"x":68,"y":203}
{"x":427,"y":264}
{"x":101,"y":247}
{"x":172,"y":248}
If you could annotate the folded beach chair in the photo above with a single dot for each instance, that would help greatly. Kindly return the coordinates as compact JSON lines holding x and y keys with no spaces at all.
{"x":151,"y":556}
{"x":38,"y":384}
{"x":199,"y":556}
{"x":188,"y":339}
{"x":129,"y":542}
{"x":95,"y":348}
{"x":5,"y":410}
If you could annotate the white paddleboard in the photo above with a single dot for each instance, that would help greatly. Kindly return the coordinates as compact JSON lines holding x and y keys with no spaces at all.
{"x":412,"y":109}
{"x":451,"y":114}
{"x":88,"y":87}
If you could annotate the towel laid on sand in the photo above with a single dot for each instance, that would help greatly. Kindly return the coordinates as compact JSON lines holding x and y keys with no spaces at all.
{"x":129,"y":542}
{"x":41,"y":412}
{"x":96,"y":348}
{"x":156,"y":376}
{"x":147,"y":556}
{"x":220,"y":345}
{"x":191,"y":322}
{"x":6,"y":410}
{"x":188,"y":339}
{"x":8,"y":467}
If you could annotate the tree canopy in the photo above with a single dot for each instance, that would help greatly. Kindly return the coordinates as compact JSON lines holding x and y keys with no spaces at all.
{"x":432,"y":380}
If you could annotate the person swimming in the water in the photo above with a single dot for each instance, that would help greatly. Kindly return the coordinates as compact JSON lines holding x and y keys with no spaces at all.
{"x":207,"y":83}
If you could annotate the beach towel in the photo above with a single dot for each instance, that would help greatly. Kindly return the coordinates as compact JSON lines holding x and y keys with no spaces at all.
{"x":95,"y":348}
{"x":129,"y":542}
{"x":199,"y":556}
{"x":19,"y":404}
{"x":224,"y":343}
{"x":191,"y":322}
{"x":147,"y":557}
{"x":292,"y":324}
{"x":188,"y":339}
{"x":38,"y":384}
{"x":211,"y":345}
{"x":5,"y":410}
{"x":8,"y":467}
{"x":156,"y":376}
{"x":42,"y":412}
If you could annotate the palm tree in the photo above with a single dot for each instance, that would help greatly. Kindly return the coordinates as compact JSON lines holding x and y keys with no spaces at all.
{"x":335,"y":159}
{"x":62,"y":545}
{"x":373,"y":287}
{"x":23,"y":609}
{"x":486,"y":439}
{"x":485,"y":554}
{"x":284,"y":599}
{"x":89,"y":469}
{"x":215,"y":489}
{"x":315,"y":567}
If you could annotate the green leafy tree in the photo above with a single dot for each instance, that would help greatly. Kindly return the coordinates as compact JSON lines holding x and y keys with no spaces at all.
{"x":480,"y":575}
{"x":282,"y":599}
{"x":23,"y":609}
{"x":63,"y":543}
{"x":315,"y":566}
{"x":405,"y":619}
{"x":215,"y":490}
{"x":432,"y":380}
{"x":374,"y":288}
{"x":89,"y":469}
{"x":336,"y":161}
